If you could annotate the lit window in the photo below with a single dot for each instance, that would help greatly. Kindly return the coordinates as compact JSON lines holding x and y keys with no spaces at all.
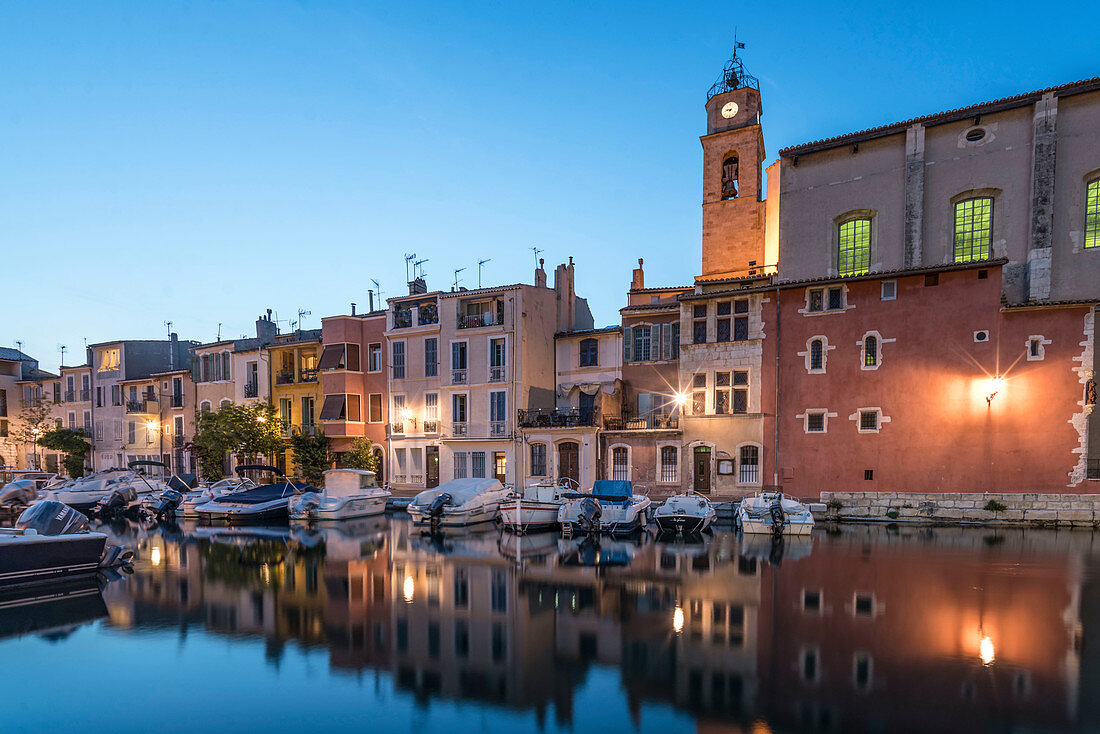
{"x":854,"y":251}
{"x":870,"y":351}
{"x":973,"y":229}
{"x":1092,"y":214}
{"x":698,"y":394}
{"x":721,"y":393}
{"x":109,"y":360}
{"x":816,"y":300}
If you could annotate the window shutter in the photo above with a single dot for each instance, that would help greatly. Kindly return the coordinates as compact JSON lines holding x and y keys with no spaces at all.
{"x":196,"y":376}
{"x":628,"y":343}
{"x":666,"y":341}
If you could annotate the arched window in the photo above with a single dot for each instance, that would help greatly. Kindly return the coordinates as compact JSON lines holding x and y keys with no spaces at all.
{"x":870,"y":351}
{"x":224,"y":402}
{"x":854,"y":247}
{"x":974,"y":229}
{"x":749,"y":471}
{"x":729,"y":177}
{"x":590,"y":352}
{"x":620,"y":463}
{"x":817,"y":355}
{"x":204,"y":406}
{"x":1092,"y":214}
{"x":378,"y":474}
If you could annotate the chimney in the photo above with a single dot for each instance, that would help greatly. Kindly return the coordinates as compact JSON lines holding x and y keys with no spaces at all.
{"x":638,"y":282}
{"x":417,"y":285}
{"x":566,"y":296}
{"x":266,"y":329}
{"x":353,"y":309}
{"x":540,"y":274}
{"x":370,"y":296}
{"x":174,"y":342}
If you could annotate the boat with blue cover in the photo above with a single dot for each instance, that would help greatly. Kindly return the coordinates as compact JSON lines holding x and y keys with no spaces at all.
{"x":614,"y":506}
{"x":264,"y":503}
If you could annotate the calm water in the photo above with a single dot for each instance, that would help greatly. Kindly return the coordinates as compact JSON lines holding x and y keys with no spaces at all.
{"x":371,"y":627}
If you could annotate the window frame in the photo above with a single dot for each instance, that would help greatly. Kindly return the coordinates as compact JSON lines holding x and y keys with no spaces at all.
{"x":370,"y":357}
{"x":858,"y":250}
{"x":661,"y":464}
{"x":589,"y":351}
{"x":966,"y":252}
{"x":545,"y":464}
{"x":1091,"y":231}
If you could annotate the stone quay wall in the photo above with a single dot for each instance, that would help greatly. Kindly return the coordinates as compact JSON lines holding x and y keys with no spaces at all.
{"x":1041,"y":510}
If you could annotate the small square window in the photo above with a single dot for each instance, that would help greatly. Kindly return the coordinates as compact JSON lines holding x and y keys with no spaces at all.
{"x":1034,"y":347}
{"x":811,"y":600}
{"x":817,"y":300}
{"x":740,"y":378}
{"x":836,"y":298}
{"x":868,"y":474}
{"x":700,"y":311}
{"x":932,"y":279}
{"x":741,"y":306}
{"x":868,"y":420}
{"x":983,"y":274}
{"x":889,"y":290}
{"x":723,"y":308}
{"x":864,"y":605}
{"x":815,"y":423}
{"x":699,"y":380}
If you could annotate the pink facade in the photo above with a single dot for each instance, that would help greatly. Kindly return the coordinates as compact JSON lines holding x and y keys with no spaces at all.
{"x":353,"y":379}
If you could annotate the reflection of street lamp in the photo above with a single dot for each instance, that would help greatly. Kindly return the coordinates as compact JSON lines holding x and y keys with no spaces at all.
{"x":678,"y":620}
{"x":409,"y":588}
{"x":985,"y":650}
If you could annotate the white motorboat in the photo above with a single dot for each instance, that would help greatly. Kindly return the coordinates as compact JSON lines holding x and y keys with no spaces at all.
{"x":458,"y":502}
{"x":85,"y":493}
{"x":221,"y":488}
{"x":536,"y":507}
{"x":266,"y":502}
{"x":773,"y":513}
{"x":613,"y":506}
{"x":685,"y":513}
{"x":347,"y":493}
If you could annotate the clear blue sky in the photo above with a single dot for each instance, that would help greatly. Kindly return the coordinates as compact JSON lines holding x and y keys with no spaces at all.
{"x":201,"y":161}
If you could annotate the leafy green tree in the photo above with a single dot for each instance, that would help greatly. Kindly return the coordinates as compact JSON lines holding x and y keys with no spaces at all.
{"x":33,"y":422}
{"x":311,"y":455}
{"x":361,"y":455}
{"x":252,"y":433}
{"x":73,"y":444}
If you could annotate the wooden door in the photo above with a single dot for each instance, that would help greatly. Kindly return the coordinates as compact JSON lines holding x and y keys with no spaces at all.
{"x":569,"y":461}
{"x":702,"y":469}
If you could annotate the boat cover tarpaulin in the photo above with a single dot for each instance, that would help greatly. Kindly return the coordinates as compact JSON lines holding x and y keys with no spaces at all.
{"x":461,"y":490}
{"x":266,"y":493}
{"x":612,"y":489}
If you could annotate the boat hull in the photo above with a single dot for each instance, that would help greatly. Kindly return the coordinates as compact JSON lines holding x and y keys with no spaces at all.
{"x":765,"y":527}
{"x":241,"y":514}
{"x":683,"y":524}
{"x":531,"y":516}
{"x":352,"y":508}
{"x":39,"y":559}
{"x":455,"y":518}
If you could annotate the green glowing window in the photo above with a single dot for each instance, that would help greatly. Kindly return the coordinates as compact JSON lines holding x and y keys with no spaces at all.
{"x":1092,"y":214}
{"x":974,"y":230}
{"x":854,"y":255}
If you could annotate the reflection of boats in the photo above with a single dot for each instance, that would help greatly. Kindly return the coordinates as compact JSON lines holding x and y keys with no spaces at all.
{"x":611,"y":507}
{"x":685,"y":513}
{"x":593,"y":550}
{"x":772,"y":512}
{"x":51,"y":541}
{"x":347,"y":493}
{"x":344,"y":539}
{"x":458,"y":502}
{"x":201,"y":495}
{"x":536,"y":507}
{"x":52,"y":611}
{"x":259,"y":504}
{"x":777,"y":548}
{"x":527,"y":546}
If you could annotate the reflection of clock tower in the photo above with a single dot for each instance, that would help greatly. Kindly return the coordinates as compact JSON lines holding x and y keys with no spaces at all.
{"x":733,"y":150}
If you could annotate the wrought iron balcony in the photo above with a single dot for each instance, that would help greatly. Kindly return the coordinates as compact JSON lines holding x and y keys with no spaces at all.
{"x":136,"y":406}
{"x":86,"y":395}
{"x":431,"y":426}
{"x":308,"y":376}
{"x":459,"y":429}
{"x":177,"y":401}
{"x":177,"y":441}
{"x":558,"y":418}
{"x":397,"y":427}
{"x":458,"y":377}
{"x":284,"y":377}
{"x":497,"y":374}
{"x":474,"y":321}
{"x":498,"y":429}
{"x":651,"y":422}
{"x":70,"y":396}
{"x":251,"y":390}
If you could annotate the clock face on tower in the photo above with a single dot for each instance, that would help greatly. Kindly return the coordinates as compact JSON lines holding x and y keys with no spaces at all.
{"x":729,"y":110}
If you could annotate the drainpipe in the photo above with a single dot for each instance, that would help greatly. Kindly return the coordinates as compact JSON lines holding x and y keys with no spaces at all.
{"x":775,"y":466}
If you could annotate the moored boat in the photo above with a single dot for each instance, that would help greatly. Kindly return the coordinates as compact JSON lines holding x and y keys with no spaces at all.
{"x":347,"y":493}
{"x":536,"y":507}
{"x":685,"y":513}
{"x":458,"y":502}
{"x":264,"y":503}
{"x":613,"y":506}
{"x":774,"y":513}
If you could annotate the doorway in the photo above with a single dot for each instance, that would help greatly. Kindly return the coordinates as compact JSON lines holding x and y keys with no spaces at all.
{"x":569,"y":461}
{"x":500,"y":466}
{"x":432,"y":468}
{"x":702,"y":469}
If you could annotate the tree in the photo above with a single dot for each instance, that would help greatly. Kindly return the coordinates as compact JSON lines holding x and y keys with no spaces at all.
{"x":311,"y":455}
{"x":251,"y":433}
{"x":73,"y":444}
{"x":33,"y":421}
{"x":361,"y":455}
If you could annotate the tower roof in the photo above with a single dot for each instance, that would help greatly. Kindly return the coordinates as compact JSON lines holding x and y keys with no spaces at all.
{"x":734,"y":75}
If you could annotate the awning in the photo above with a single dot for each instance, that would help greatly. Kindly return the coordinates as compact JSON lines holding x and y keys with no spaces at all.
{"x":588,"y":388}
{"x":331,"y":358}
{"x":333,"y":408}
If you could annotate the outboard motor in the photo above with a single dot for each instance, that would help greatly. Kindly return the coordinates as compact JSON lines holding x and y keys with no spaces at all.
{"x":116,"y":502}
{"x":164,"y":505}
{"x":309,"y":503}
{"x":19,"y":492}
{"x":589,"y":513}
{"x":435,"y":510}
{"x":779,"y":519}
{"x":52,"y":518}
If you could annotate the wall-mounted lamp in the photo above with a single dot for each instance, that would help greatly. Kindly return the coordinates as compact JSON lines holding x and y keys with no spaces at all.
{"x":994,"y":386}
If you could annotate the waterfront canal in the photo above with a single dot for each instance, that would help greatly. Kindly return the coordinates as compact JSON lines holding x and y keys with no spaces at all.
{"x":369,"y":626}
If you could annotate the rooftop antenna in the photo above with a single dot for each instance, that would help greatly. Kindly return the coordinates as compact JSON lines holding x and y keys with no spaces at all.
{"x":377,"y":289}
{"x":459,"y":270}
{"x":419,"y":264}
{"x":536,"y":251}
{"x":479,"y":264}
{"x":19,"y":345}
{"x":302,"y":312}
{"x":169,"y":325}
{"x":62,"y":348}
{"x":409,"y":257}
{"x":219,"y":332}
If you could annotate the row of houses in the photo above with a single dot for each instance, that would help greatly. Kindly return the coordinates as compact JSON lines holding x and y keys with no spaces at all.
{"x":910,"y":307}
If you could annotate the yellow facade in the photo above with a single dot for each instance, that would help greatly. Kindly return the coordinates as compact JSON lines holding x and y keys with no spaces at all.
{"x":295,"y":384}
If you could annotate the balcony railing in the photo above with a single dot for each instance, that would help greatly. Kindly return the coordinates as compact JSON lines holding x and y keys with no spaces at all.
{"x":558,"y":418}
{"x":417,"y":479}
{"x":70,"y":396}
{"x":177,"y":441}
{"x":652,"y":422}
{"x":251,"y":390}
{"x":431,"y":426}
{"x":86,"y":395}
{"x":284,"y":377}
{"x":400,"y":478}
{"x":473,"y":321}
{"x":459,"y":429}
{"x":397,"y":427}
{"x":458,"y":377}
{"x":177,"y":401}
{"x":136,"y":406}
{"x":498,"y":428}
{"x":496,"y":374}
{"x":308,"y":376}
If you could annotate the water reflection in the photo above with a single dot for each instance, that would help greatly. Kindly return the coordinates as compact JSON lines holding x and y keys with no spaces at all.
{"x":860,"y":629}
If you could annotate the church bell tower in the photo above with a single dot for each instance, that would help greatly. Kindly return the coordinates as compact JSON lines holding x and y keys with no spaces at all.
{"x":733,"y":151}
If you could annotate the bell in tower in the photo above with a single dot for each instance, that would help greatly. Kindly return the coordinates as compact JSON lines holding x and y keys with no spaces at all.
{"x":733,"y":154}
